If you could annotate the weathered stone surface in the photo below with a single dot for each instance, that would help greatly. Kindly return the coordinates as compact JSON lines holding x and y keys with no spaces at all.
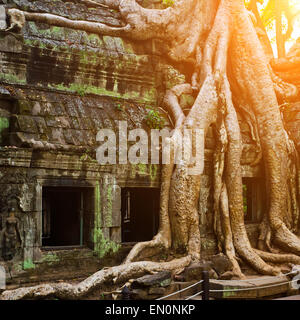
{"x":3,"y":24}
{"x":228,"y":275}
{"x":140,"y":294}
{"x":161,"y":279}
{"x":157,"y":290}
{"x":220,"y":263}
{"x":10,"y":43}
{"x":235,"y":289}
{"x":212,"y":274}
{"x":194,"y":271}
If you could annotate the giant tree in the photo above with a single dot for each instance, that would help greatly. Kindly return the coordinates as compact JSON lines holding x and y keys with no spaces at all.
{"x":231,"y":74}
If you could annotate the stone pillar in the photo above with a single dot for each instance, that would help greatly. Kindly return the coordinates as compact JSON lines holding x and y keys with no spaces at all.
{"x":3,"y":24}
{"x":111,"y":208}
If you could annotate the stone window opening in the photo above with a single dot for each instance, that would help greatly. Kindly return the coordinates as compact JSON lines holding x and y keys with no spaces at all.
{"x":66,"y":219}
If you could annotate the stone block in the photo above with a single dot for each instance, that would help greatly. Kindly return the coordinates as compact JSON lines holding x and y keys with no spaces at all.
{"x":3,"y":24}
{"x":11,"y":43}
{"x":160,"y":279}
{"x":157,"y":291}
{"x":220,"y":263}
{"x":194,"y":271}
{"x":115,"y":234}
{"x":139,"y":294}
{"x":236,"y":289}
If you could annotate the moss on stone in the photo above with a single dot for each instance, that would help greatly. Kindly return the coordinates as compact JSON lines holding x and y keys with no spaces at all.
{"x":11,"y":78}
{"x":153,"y":172}
{"x":28,"y":264}
{"x":142,"y":168}
{"x":187,"y":101}
{"x":104,"y":246}
{"x":83,"y":89}
{"x":50,"y":258}
{"x":4,"y":124}
{"x":108,"y":216}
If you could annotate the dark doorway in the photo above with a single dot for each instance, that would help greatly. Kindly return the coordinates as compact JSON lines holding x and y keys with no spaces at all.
{"x":140,"y":213}
{"x":254,"y":199}
{"x":65,"y":218}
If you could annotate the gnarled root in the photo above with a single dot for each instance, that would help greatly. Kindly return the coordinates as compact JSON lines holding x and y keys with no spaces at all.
{"x":119,"y":274}
{"x":278,"y":257}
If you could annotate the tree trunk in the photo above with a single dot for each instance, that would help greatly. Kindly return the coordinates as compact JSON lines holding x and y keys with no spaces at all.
{"x":229,"y":65}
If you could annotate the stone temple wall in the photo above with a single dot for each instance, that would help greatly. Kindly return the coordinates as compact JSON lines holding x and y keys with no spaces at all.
{"x":58,"y":87}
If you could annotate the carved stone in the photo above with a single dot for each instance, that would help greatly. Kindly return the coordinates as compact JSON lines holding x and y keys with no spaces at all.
{"x":3,"y":24}
{"x":10,"y":239}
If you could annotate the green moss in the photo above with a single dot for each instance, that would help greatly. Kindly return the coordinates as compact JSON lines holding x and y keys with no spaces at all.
{"x":83,"y":89}
{"x":4,"y":125}
{"x":153,"y":172}
{"x":128,"y":47}
{"x":102,"y":246}
{"x":154,"y":119}
{"x":56,"y":30}
{"x":88,"y":57}
{"x":186,"y":100}
{"x":227,"y":294}
{"x":18,"y":266}
{"x":108,"y":216}
{"x":28,"y":264}
{"x":207,"y":244}
{"x":94,"y":37}
{"x":52,"y":32}
{"x":165,"y":283}
{"x":142,"y":168}
{"x":80,"y":89}
{"x":50,"y":258}
{"x":150,"y":95}
{"x":168,"y":3}
{"x":11,"y":78}
{"x":87,"y":157}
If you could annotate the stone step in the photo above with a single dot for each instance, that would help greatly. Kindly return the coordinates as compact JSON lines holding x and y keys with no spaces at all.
{"x":290,"y":298}
{"x":249,"y":289}
{"x":177,"y":286}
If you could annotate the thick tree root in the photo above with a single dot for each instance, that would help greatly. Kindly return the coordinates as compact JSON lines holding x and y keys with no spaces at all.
{"x":115,"y":275}
{"x":278,"y":258}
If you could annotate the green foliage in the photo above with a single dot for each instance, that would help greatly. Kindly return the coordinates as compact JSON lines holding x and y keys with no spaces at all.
{"x":104,"y":247}
{"x":168,"y":3}
{"x":87,"y":157}
{"x":80,"y":89}
{"x":154,"y":119}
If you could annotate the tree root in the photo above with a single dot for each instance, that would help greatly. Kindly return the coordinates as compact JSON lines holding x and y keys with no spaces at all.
{"x":119,"y":274}
{"x":278,"y":257}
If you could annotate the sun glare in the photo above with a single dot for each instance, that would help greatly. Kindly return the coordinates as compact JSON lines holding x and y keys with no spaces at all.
{"x":295,"y":9}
